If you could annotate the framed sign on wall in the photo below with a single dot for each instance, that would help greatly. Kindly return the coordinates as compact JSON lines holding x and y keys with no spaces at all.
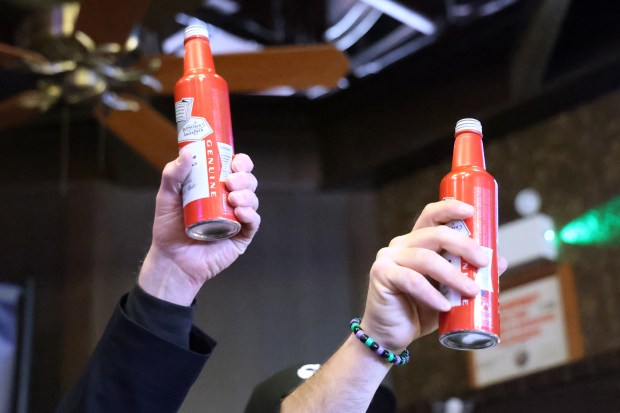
{"x":539,"y":328}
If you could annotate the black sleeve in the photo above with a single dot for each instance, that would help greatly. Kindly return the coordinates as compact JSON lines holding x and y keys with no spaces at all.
{"x":134,"y":369}
{"x":169,"y":321}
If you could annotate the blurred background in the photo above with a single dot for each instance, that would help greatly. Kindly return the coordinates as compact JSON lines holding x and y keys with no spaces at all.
{"x":347,"y":108}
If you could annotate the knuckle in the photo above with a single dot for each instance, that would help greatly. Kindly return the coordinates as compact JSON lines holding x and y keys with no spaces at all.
{"x":396,"y":240}
{"x":421,"y":254}
{"x":416,"y":281}
{"x":167,"y":172}
{"x":428,"y":210}
{"x":444,"y":231}
{"x":379,"y":269}
{"x":382,"y":253}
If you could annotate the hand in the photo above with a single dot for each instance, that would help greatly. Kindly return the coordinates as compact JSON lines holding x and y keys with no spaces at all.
{"x":177,"y":266}
{"x":403,"y":302}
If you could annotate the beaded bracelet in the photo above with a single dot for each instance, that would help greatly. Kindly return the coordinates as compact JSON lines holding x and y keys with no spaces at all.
{"x":403,"y":358}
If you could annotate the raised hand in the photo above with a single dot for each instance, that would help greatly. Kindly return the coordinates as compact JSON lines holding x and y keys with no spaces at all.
{"x":403,"y":301}
{"x":177,"y":266}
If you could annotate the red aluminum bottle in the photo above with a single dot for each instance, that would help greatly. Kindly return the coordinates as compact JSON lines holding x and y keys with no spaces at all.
{"x":204,"y":128}
{"x":473,"y":322}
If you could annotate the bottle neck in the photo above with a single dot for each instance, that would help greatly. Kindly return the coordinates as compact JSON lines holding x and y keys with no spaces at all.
{"x":198,"y":54}
{"x":468,"y":150}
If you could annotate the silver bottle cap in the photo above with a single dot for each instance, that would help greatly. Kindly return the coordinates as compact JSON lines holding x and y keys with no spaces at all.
{"x":468,"y":124}
{"x":196,"y":30}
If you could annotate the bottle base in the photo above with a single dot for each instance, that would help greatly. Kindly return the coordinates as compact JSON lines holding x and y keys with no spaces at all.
{"x":469,"y":340}
{"x":213,"y":229}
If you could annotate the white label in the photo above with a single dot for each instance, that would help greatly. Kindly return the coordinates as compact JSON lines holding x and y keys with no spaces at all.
{"x":190,"y":128}
{"x":183,"y":111}
{"x":460,"y":226}
{"x":196,"y":184}
{"x":452,"y":296}
{"x":226,"y":154}
{"x":483,"y":275}
{"x":195,"y":128}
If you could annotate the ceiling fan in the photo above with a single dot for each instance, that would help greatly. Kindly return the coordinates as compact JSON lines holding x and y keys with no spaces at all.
{"x":82,"y":61}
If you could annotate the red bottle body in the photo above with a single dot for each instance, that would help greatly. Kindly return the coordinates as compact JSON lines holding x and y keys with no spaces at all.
{"x":204,"y":127}
{"x":473,"y":322}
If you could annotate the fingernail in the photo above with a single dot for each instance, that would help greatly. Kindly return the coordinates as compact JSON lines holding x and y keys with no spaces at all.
{"x":446,"y":306}
{"x":466,"y":208}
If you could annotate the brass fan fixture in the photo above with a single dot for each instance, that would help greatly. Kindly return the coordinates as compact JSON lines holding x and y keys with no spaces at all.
{"x":85,"y":62}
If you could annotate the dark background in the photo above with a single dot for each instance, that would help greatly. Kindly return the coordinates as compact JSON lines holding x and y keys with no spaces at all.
{"x":339,"y":176}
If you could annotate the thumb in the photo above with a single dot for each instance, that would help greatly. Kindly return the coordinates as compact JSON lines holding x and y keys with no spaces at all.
{"x":172,"y":179}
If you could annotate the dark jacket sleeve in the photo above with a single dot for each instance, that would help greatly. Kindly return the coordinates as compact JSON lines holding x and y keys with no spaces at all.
{"x":134,"y":369}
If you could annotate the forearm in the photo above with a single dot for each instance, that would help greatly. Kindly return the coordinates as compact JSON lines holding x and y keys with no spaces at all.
{"x":346,"y":383}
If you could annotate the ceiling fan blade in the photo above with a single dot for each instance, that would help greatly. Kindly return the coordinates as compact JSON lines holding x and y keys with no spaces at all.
{"x":12,"y":57}
{"x":146,"y":131}
{"x":16,"y":110}
{"x":110,"y":21}
{"x":299,"y":67}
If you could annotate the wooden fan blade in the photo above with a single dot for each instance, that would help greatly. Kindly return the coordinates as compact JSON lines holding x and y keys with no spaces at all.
{"x":299,"y":67}
{"x":110,"y":21}
{"x":14,"y":112}
{"x":146,"y":131}
{"x":12,"y":57}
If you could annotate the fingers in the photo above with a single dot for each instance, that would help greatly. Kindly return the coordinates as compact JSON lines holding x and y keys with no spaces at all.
{"x":442,"y":212}
{"x":250,"y":221}
{"x":444,"y":238}
{"x":243,"y":198}
{"x":431,"y":264}
{"x":242,"y":163}
{"x":242,"y":184}
{"x":502,"y":264}
{"x":249,"y":216}
{"x":241,"y":180}
{"x":411,"y":283}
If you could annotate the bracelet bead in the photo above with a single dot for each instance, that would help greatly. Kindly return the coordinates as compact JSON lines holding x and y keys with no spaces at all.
{"x":378,"y":349}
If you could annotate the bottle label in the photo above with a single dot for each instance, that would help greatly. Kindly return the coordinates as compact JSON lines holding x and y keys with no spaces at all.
{"x":198,"y":183}
{"x":203,"y":177}
{"x":190,"y":128}
{"x":452,"y":295}
{"x":483,"y":275}
{"x":226,"y":155}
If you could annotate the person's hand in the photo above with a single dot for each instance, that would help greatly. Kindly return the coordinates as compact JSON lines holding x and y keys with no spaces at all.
{"x":177,"y":266}
{"x":403,"y":302}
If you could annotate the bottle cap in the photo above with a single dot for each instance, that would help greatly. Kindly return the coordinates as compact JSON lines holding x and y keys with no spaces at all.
{"x":468,"y":124}
{"x":196,"y":30}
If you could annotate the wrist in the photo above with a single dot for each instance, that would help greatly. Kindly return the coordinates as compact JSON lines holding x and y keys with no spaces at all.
{"x":366,"y":359}
{"x":375,"y":346}
{"x":160,"y":277}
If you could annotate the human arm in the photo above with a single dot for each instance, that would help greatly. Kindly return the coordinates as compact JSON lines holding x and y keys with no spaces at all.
{"x":402,"y":305}
{"x":150,"y":353}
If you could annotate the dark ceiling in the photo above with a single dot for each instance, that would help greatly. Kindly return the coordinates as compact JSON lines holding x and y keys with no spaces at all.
{"x":508,"y":62}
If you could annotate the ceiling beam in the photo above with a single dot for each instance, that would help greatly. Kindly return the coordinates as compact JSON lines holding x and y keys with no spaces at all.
{"x":402,"y":119}
{"x":536,"y":48}
{"x":383,"y":119}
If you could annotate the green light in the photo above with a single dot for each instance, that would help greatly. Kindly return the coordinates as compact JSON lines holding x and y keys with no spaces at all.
{"x":597,"y":226}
